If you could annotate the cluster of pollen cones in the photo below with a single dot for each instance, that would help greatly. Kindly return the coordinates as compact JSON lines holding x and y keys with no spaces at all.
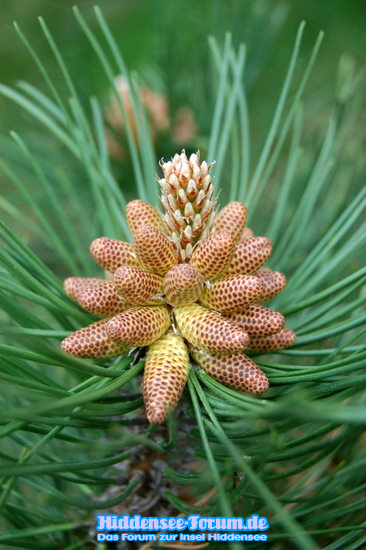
{"x":189,"y":287}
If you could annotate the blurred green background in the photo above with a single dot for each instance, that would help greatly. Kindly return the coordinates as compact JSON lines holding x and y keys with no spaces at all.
{"x":166,"y":34}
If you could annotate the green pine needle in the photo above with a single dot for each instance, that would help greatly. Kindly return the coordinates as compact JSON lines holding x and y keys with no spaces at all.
{"x":74,"y":429}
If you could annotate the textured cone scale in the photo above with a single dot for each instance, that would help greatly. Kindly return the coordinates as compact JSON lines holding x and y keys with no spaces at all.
{"x":258,"y":321}
{"x":249,"y":256}
{"x":209,"y":331}
{"x":281,"y":340}
{"x":187,"y":198}
{"x":273,"y":283}
{"x":165,"y":375}
{"x":103,"y":299}
{"x":139,"y":326}
{"x":74,"y":286}
{"x":139,"y":213}
{"x":231,"y":218}
{"x":246,"y":234}
{"x":236,"y":371}
{"x":212,"y":255}
{"x":232,"y":293}
{"x":183,"y":284}
{"x":154,"y":249}
{"x":112,"y":253}
{"x":136,"y":285}
{"x":92,"y":341}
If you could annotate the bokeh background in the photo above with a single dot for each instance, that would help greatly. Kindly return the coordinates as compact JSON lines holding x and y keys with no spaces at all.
{"x":166,"y":35}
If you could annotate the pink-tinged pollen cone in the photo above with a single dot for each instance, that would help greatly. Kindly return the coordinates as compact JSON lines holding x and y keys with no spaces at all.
{"x":139,"y":213}
{"x":273,"y":282}
{"x":236,"y":371}
{"x":249,"y":256}
{"x":258,"y":321}
{"x":139,"y":326}
{"x":165,"y":375}
{"x":154,"y":250}
{"x":281,"y":340}
{"x":112,"y":253}
{"x":103,"y":299}
{"x":231,"y":218}
{"x":93,"y":341}
{"x":74,"y":286}
{"x":209,"y":331}
{"x":183,"y":284}
{"x":232,"y":293}
{"x":212,"y":256}
{"x":136,"y":285}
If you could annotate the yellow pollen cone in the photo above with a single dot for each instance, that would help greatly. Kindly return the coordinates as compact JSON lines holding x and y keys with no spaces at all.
{"x":208,"y":330}
{"x":165,"y":375}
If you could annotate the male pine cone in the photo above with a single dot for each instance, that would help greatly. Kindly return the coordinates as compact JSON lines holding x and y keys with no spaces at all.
{"x":189,"y":287}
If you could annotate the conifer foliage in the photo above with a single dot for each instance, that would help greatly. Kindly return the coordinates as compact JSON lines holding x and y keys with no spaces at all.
{"x":260,"y":427}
